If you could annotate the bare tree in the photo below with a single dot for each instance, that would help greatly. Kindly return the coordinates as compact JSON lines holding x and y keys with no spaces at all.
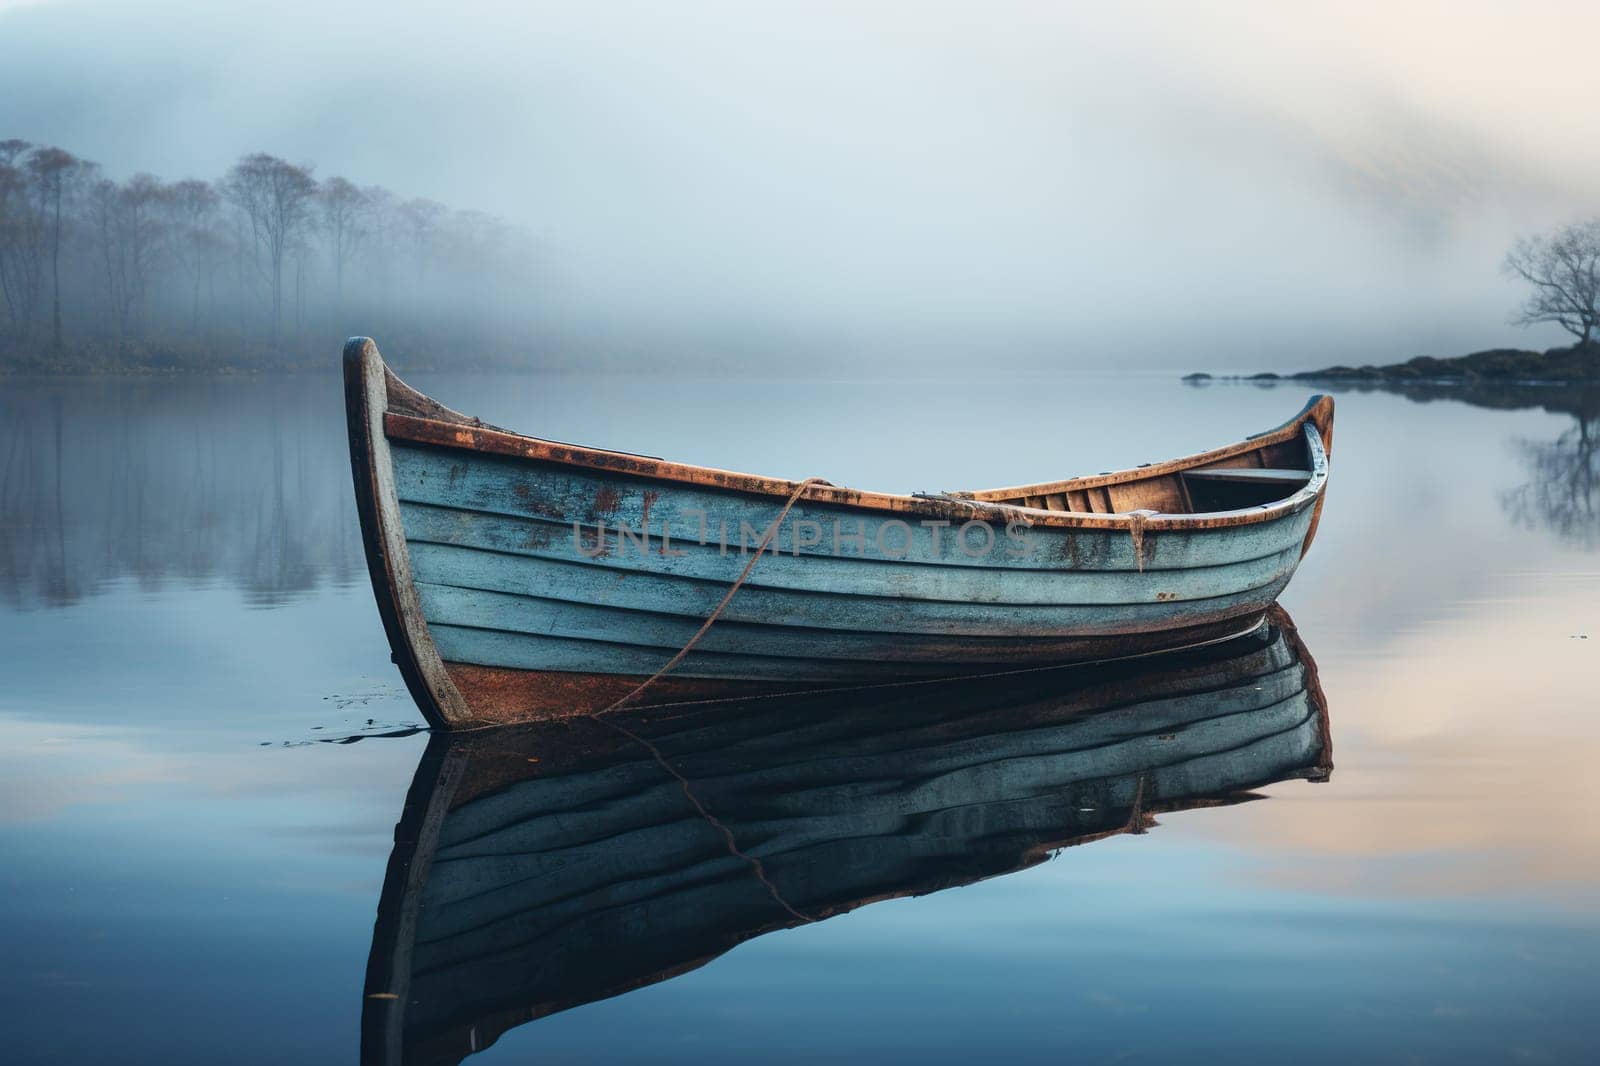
{"x":52,"y":169}
{"x":344,"y":209}
{"x":129,"y":231}
{"x":10,"y":199}
{"x":21,"y":234}
{"x":192,"y":206}
{"x":301,"y":250}
{"x":421,"y":218}
{"x":276,"y":196}
{"x":110,"y":231}
{"x":1564,"y":270}
{"x":102,"y":217}
{"x":383,"y":225}
{"x":141,"y":198}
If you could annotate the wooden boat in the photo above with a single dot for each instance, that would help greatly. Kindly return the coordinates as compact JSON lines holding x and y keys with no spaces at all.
{"x":520,"y":578}
{"x":544,"y":866}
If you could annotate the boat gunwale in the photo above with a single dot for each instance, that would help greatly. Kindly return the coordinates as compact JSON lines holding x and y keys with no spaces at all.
{"x":437,"y":426}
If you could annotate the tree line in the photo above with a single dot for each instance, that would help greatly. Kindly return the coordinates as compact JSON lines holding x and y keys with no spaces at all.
{"x":266,"y":264}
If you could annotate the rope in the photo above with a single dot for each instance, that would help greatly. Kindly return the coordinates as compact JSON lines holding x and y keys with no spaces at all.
{"x":728,"y":838}
{"x":727,"y":598}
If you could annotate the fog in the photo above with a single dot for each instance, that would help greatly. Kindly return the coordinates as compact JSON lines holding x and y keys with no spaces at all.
{"x":819,"y":186}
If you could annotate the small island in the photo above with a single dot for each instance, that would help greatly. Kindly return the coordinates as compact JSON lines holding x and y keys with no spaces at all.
{"x":1578,"y":364}
{"x":1563,"y":272}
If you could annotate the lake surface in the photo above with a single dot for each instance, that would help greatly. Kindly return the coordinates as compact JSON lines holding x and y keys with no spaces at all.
{"x":192,"y":873}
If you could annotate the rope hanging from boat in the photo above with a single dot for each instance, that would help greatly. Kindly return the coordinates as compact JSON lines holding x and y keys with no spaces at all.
{"x":727,"y":598}
{"x":729,"y":840}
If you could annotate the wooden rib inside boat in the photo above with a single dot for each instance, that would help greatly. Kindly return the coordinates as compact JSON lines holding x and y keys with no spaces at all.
{"x":540,"y":867}
{"x":520,"y":578}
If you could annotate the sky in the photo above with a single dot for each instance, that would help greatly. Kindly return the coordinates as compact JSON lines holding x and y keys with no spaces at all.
{"x":1140,"y":185}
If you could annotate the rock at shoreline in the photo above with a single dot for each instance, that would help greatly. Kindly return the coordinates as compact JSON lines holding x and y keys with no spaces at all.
{"x":1580,"y":363}
{"x":1494,"y":364}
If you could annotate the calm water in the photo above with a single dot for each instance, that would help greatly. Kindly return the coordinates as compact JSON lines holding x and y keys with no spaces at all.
{"x":191,"y":875}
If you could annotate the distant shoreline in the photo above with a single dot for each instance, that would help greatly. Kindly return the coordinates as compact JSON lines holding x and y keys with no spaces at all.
{"x":227,"y":356}
{"x":1577,"y":365}
{"x":156,"y":363}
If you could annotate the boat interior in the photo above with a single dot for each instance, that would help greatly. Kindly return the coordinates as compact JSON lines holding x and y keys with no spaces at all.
{"x":1246,"y":475}
{"x":1258,"y":471}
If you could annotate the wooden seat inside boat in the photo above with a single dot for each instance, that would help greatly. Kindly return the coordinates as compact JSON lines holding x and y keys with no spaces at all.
{"x":1245,"y":476}
{"x":1250,"y":475}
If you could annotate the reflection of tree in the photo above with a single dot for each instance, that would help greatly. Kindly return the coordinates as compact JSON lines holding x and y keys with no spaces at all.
{"x":1580,"y":401}
{"x":187,"y":481}
{"x":1564,"y":493}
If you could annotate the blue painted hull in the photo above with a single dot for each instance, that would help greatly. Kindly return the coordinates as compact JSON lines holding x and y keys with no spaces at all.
{"x":501,"y":554}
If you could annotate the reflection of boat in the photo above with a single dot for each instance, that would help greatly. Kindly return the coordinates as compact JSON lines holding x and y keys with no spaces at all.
{"x":521,"y":578}
{"x":544,"y":866}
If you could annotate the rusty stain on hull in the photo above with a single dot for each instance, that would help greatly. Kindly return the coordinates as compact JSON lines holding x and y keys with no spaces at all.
{"x":506,"y":696}
{"x":502,"y":695}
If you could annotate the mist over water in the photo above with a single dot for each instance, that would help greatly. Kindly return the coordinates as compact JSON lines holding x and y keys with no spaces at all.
{"x":899,"y":246}
{"x":903,"y":185}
